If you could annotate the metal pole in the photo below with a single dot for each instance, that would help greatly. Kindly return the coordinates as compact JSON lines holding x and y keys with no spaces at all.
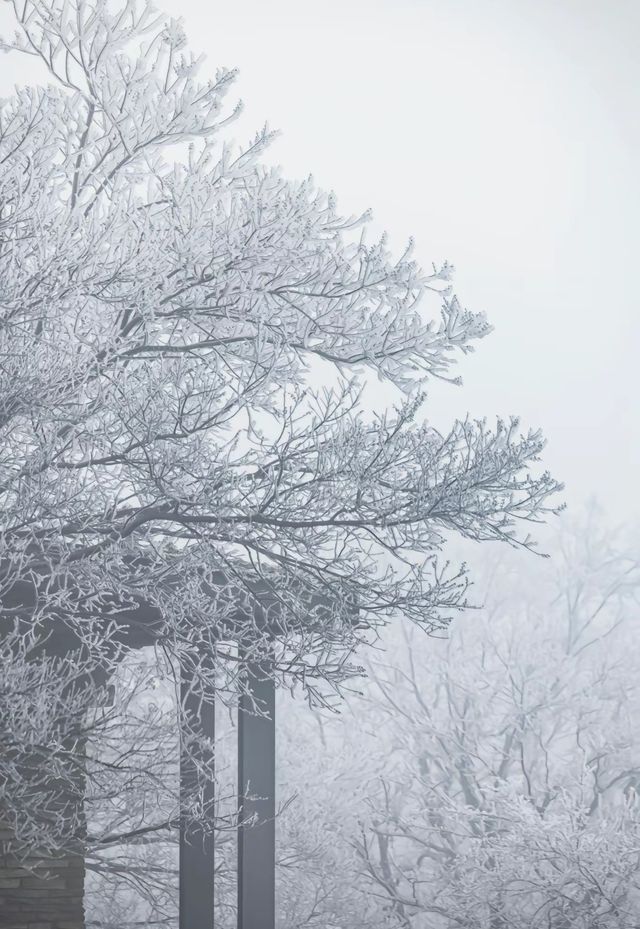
{"x":256,"y":789}
{"x":196,"y":892}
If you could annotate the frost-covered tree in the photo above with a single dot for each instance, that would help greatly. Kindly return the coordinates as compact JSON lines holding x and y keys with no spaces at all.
{"x":486,"y":780}
{"x":184,"y":335}
{"x":495,"y":774}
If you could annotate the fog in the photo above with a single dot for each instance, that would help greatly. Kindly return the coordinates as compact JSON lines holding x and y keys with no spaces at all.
{"x":503,"y":136}
{"x":447,"y":757}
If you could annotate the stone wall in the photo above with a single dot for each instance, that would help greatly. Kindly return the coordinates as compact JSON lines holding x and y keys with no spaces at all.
{"x":48,"y":894}
{"x":45,"y":891}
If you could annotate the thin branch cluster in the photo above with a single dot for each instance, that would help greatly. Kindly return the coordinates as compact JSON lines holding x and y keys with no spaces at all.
{"x":166,"y":304}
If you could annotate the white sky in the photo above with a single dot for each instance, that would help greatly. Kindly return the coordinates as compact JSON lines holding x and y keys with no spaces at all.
{"x":503,"y":135}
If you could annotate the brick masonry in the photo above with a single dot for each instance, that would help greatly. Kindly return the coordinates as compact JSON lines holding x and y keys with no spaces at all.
{"x":43,"y":891}
{"x":46,"y":894}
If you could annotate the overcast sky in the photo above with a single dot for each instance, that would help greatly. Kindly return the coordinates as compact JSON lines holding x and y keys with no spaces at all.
{"x":503,"y":135}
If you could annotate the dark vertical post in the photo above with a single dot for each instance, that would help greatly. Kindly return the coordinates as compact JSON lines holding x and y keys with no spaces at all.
{"x":196,"y":846}
{"x":256,"y":789}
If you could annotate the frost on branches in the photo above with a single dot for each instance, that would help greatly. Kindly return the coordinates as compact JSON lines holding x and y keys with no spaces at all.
{"x":513,"y":800}
{"x":164,"y":298}
{"x":488,"y":781}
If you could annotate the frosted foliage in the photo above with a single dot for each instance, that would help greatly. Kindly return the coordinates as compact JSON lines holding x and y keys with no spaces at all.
{"x":164,"y":299}
{"x":490,"y":780}
{"x":487,"y":780}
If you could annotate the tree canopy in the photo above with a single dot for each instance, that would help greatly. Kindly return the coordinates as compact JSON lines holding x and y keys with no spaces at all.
{"x":184,"y":335}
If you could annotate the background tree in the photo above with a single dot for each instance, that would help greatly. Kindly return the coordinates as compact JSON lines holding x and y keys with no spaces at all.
{"x":167,"y":306}
{"x":488,"y":780}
